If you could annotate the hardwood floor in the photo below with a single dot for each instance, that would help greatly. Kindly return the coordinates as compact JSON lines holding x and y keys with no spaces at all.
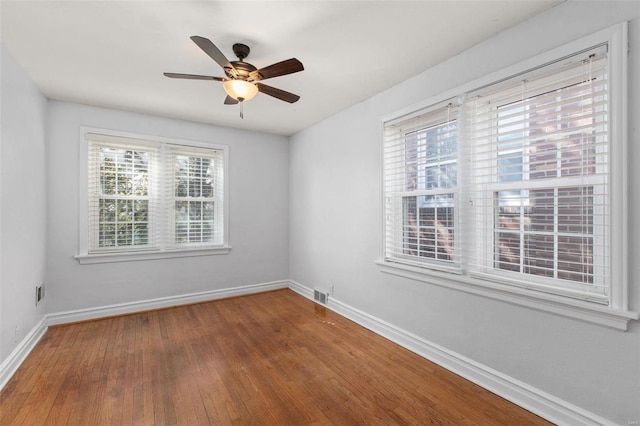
{"x":267,"y":359}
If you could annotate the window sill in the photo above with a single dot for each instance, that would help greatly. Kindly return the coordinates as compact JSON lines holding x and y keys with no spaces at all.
{"x":87,"y":259}
{"x":576,"y":309}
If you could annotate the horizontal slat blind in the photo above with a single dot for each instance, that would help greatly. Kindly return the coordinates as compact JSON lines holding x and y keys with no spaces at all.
{"x":146,"y":196}
{"x":420,"y":172}
{"x":510,"y":185}
{"x":538,"y":183}
{"x":122,"y":194}
{"x":194,"y":194}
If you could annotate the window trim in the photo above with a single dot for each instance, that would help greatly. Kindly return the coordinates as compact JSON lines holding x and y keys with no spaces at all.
{"x":84,"y":257}
{"x":453,"y":265}
{"x":571,"y":308}
{"x":557,"y":183}
{"x":617,"y":314}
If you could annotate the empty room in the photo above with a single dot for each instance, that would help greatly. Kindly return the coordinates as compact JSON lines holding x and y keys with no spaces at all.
{"x":319,"y":212}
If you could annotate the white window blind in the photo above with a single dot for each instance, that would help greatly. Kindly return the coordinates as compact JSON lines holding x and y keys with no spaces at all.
{"x":146,"y":196}
{"x":195,"y":194}
{"x":538,"y":188}
{"x":511,"y":184}
{"x":421,"y":188}
{"x":122,"y":194}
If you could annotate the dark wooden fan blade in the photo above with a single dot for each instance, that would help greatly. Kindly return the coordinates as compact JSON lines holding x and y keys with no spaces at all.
{"x":230,"y":101}
{"x":210,"y":49}
{"x":277,"y":93}
{"x":276,"y":70}
{"x":193,"y":76}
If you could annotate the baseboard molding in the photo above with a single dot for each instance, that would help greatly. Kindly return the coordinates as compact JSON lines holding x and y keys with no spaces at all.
{"x":302,"y":290}
{"x":10,"y":365}
{"x":162,"y":302}
{"x":535,"y":400}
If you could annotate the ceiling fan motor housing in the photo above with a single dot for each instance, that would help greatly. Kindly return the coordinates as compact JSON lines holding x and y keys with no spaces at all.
{"x":243,"y":69}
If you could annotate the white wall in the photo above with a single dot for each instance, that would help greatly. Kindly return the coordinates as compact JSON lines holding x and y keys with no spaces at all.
{"x":22,"y":203}
{"x":335,"y":232}
{"x":258,"y":215}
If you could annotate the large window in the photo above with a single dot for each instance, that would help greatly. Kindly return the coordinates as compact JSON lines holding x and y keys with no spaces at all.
{"x":422,"y":183}
{"x":539,"y":155}
{"x":148,"y":197}
{"x":516,"y":184}
{"x":196,"y":196}
{"x":122,"y":196}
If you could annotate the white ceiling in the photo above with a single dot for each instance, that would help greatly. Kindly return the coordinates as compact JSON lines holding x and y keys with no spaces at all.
{"x":113,"y":53}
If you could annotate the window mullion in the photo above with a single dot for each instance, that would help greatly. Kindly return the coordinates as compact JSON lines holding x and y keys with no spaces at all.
{"x":556,"y":241}
{"x":524,"y":236}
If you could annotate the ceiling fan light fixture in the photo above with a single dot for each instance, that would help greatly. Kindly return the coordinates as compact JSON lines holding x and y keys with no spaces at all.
{"x":240,"y":90}
{"x":243,"y":81}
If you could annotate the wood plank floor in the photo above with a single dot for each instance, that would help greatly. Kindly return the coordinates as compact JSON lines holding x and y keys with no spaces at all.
{"x":267,"y":359}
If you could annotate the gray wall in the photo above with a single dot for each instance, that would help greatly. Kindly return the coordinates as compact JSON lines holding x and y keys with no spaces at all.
{"x":39,"y":212}
{"x":310,"y":210}
{"x":335,"y":231}
{"x":258,"y":215}
{"x":22,"y":203}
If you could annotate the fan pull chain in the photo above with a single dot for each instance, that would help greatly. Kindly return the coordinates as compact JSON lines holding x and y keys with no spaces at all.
{"x":241,"y":111}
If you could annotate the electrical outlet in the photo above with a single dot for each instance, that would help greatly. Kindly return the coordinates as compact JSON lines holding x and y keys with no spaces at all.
{"x":17,"y":336}
{"x":39,"y":293}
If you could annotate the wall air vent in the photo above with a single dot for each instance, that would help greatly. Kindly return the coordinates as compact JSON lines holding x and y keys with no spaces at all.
{"x":321,"y":296}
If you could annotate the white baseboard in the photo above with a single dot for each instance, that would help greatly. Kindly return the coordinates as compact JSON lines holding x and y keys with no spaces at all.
{"x":535,"y":400}
{"x":302,"y":290}
{"x":10,"y":365}
{"x":162,"y":302}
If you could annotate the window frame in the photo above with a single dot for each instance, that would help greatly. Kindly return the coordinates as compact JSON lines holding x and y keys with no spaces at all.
{"x":617,"y":313}
{"x":164,"y":251}
{"x":172,"y":198}
{"x":402,"y":131}
{"x":555,"y":184}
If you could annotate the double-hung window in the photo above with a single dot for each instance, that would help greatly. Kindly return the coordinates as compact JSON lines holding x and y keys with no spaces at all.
{"x":517,"y":185}
{"x":422,"y":188}
{"x":537,"y":188}
{"x":196,"y":196}
{"x":145,"y":198}
{"x":121,"y":195}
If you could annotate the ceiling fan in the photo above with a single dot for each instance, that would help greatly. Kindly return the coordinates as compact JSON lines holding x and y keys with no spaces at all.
{"x":242,"y":81}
